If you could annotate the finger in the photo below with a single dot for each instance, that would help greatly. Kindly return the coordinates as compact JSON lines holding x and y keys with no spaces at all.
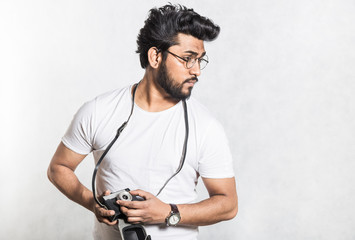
{"x":131,"y":212}
{"x":128,"y":212}
{"x":107,"y":192}
{"x":131,"y":204}
{"x":141,"y":193}
{"x":105,"y":213}
{"x":135,"y":220}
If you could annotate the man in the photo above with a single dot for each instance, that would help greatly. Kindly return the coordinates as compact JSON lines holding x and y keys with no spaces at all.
{"x":148,"y":151}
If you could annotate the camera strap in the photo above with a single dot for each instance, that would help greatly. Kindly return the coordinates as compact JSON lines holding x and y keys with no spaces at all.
{"x":183,"y":155}
{"x":132,"y":231}
{"x":118,"y":133}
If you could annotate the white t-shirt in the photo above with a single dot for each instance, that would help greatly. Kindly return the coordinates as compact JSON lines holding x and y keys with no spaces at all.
{"x":148,"y":152}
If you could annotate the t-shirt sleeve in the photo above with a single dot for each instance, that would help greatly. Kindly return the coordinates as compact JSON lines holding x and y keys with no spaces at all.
{"x":216,"y":158}
{"x":79,"y":135}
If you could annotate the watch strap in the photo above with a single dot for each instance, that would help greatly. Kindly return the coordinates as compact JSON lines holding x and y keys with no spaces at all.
{"x":174,"y":208}
{"x":173,"y":213}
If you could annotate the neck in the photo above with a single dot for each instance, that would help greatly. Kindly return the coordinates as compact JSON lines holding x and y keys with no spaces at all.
{"x":151,"y":97}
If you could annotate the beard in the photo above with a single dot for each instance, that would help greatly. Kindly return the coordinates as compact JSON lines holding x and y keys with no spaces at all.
{"x":170,"y":86}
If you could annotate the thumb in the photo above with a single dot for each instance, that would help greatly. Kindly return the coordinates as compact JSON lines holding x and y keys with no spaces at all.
{"x":107,"y":192}
{"x":141,"y":193}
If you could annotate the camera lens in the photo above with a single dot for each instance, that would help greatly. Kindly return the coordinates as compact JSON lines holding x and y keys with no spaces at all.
{"x":124,"y":195}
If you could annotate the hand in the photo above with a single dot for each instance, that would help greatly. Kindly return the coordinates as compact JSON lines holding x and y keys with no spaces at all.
{"x":102,"y":214}
{"x":151,"y":211}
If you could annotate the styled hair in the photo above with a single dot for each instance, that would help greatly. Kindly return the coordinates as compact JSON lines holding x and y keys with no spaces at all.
{"x":164,"y":24}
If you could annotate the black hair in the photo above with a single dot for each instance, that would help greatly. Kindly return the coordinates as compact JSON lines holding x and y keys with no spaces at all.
{"x":165,"y":23}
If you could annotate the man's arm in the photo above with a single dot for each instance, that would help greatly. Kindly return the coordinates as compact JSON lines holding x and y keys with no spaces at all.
{"x":61,"y":174}
{"x":221,"y":205}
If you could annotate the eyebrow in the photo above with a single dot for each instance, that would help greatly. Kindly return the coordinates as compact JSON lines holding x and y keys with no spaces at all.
{"x":195,"y":53}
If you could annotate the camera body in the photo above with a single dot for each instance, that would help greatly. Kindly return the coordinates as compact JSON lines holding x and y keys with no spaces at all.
{"x":111,"y":204}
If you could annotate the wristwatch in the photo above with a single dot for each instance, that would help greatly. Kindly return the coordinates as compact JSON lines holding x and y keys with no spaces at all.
{"x":174,"y":217}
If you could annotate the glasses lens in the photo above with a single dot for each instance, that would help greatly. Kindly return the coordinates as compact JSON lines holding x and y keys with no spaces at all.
{"x":203,"y":63}
{"x":190,"y":63}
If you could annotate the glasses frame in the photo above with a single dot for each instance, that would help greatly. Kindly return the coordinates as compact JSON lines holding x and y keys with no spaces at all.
{"x":193,"y":60}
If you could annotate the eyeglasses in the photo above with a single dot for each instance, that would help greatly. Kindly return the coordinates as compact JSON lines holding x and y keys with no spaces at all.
{"x":190,"y":61}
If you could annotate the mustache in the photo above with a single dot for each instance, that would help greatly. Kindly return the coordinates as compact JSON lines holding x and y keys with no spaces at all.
{"x":193,"y":79}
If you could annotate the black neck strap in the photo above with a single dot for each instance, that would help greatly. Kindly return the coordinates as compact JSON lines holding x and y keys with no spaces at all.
{"x":118,"y":133}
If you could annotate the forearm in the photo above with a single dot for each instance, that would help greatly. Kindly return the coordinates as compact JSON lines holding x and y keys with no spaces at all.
{"x":221,"y":205}
{"x":212,"y":210}
{"x":217,"y":208}
{"x":67,"y":182}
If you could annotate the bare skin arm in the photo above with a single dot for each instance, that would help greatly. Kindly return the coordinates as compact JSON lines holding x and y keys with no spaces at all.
{"x":221,"y":205}
{"x":61,"y":174}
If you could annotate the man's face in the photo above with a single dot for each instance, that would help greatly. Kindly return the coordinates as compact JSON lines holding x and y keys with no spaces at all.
{"x":173,"y":75}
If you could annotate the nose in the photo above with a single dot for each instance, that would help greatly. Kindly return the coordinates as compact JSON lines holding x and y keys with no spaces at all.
{"x":195,"y":70}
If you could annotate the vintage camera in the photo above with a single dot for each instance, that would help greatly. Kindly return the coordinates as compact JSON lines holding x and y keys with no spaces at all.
{"x":110,"y":202}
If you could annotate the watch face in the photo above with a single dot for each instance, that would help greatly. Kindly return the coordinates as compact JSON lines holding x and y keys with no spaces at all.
{"x":174,"y":219}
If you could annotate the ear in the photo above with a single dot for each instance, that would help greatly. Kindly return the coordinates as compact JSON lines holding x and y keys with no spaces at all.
{"x":154,"y":57}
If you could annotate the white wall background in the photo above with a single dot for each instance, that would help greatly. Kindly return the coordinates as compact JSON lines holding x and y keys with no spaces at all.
{"x":281,"y":79}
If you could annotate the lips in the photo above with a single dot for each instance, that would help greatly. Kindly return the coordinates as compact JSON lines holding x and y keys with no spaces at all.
{"x":191,"y":80}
